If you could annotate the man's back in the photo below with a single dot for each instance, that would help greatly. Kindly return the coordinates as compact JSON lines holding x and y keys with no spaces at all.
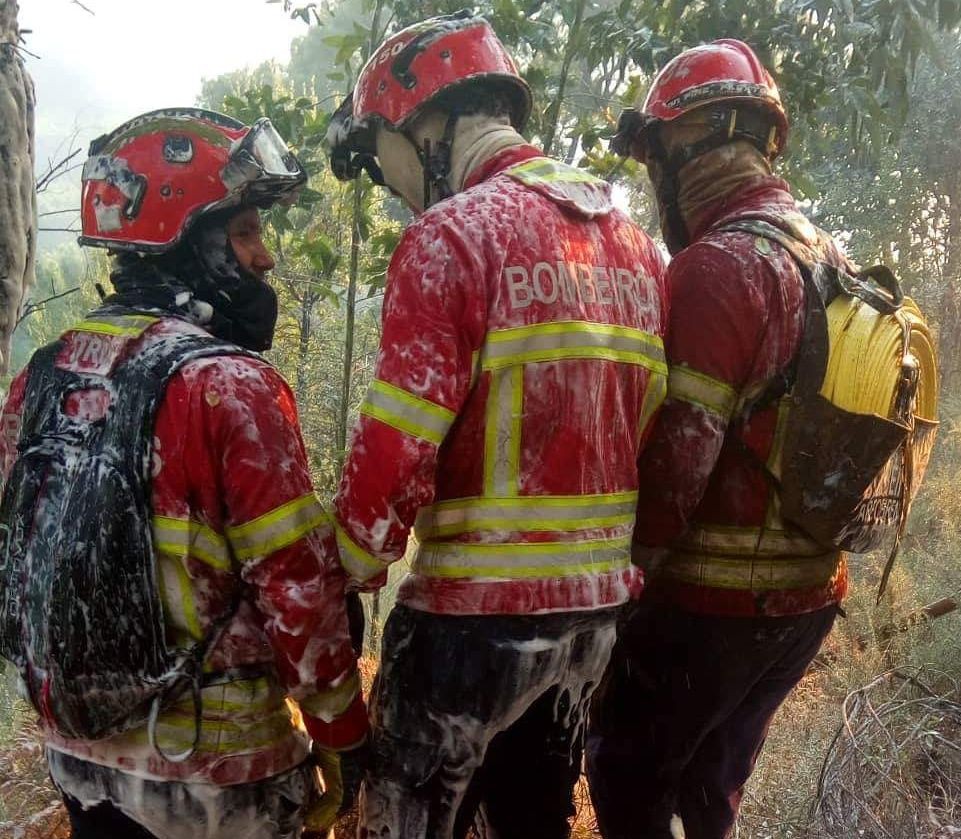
{"x":530,"y":311}
{"x":233,"y":520}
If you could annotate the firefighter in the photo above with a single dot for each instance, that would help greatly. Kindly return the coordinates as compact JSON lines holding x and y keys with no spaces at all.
{"x":520,"y":363}
{"x":738,"y":602}
{"x":244,"y":553}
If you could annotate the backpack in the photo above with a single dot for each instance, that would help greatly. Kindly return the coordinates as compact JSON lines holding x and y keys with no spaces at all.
{"x":80,"y":609}
{"x":847,"y":478}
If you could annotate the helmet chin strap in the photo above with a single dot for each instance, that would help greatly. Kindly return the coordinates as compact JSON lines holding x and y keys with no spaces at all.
{"x":435,"y":161}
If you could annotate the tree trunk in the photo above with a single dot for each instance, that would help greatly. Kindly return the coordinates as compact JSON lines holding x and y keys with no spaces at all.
{"x":949,"y":324}
{"x":18,"y":199}
{"x":341,"y":436}
{"x":307,"y":304}
{"x":573,"y":41}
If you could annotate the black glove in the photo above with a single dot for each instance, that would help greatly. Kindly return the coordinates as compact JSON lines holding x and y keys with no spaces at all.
{"x":356,"y":622}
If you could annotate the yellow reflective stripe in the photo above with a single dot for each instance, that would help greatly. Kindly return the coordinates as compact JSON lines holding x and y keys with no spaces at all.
{"x":502,"y":433}
{"x":654,"y":396}
{"x":758,"y":541}
{"x":690,"y":385}
{"x":329,"y":704}
{"x":247,"y":698}
{"x":777,"y":444}
{"x":178,"y":595}
{"x":122,"y":325}
{"x":406,"y":412}
{"x":360,"y":564}
{"x":522,"y":559}
{"x":545,"y":170}
{"x":277,"y":529}
{"x":183,"y":537}
{"x":526,"y":514}
{"x":572,"y":339}
{"x":218,"y":736}
{"x":752,"y":573}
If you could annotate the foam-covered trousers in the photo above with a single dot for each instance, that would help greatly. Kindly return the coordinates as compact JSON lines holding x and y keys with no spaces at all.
{"x":480,"y":719}
{"x":680,"y":717}
{"x":106,"y":803}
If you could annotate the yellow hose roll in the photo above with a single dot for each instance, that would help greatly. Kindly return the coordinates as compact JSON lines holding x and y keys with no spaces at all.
{"x":866,"y":354}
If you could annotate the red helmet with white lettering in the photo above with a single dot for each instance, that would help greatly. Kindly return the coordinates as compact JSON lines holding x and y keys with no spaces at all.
{"x":417,"y":66}
{"x":148,"y":181}
{"x":724,"y":75}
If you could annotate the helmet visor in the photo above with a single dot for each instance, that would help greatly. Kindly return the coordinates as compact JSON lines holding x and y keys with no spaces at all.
{"x":352,"y":146}
{"x":629,"y":139}
{"x":264,"y":168}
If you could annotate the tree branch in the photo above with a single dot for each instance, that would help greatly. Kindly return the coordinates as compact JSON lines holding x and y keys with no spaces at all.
{"x":32,"y":307}
{"x":56,"y":170}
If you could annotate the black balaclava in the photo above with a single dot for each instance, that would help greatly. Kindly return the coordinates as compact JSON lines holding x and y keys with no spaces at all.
{"x":201,"y":280}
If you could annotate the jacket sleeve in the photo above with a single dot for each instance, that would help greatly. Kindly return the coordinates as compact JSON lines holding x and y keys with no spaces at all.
{"x":432,"y":324}
{"x":283,"y":541}
{"x":715,"y":327}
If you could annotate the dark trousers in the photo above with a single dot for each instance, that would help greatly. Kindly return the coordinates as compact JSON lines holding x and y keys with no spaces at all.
{"x":101,"y":822}
{"x":681,"y":715}
{"x":480,"y":720}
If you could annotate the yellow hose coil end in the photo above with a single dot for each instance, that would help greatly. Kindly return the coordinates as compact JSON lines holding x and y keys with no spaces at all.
{"x":865,"y":356}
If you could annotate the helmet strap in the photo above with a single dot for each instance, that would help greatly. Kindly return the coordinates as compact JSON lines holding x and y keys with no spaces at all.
{"x":675,"y":230}
{"x":435,"y":161}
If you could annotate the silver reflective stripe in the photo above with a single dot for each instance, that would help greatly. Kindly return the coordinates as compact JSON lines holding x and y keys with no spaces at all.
{"x":183,"y":537}
{"x":502,"y":444}
{"x":755,"y":573}
{"x":406,"y":412}
{"x":573,"y":339}
{"x":689,"y":385}
{"x":277,"y":528}
{"x":736,"y":541}
{"x":527,"y":514}
{"x":522,"y":560}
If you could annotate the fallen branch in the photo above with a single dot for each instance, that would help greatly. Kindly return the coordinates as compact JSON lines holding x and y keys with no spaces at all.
{"x":888,"y":631}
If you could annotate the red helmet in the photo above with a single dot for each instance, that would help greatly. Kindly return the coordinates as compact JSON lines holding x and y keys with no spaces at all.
{"x":724,"y":71}
{"x":414,"y":67}
{"x":145,"y":183}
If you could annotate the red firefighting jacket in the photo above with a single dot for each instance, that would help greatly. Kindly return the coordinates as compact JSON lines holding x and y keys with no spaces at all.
{"x":520,"y":364}
{"x":737,"y":316}
{"x":232,"y":503}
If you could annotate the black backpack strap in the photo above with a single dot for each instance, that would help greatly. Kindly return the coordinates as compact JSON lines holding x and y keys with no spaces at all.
{"x":143,"y":378}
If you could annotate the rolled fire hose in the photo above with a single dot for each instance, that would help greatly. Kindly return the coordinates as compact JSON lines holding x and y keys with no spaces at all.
{"x":867,"y":350}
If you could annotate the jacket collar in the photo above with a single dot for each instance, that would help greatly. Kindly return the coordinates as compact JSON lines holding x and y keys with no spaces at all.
{"x":501,"y":161}
{"x":768,"y":197}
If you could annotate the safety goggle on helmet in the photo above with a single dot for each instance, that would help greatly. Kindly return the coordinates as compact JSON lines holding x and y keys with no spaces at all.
{"x":410,"y":69}
{"x":148,"y":181}
{"x":721,"y":76}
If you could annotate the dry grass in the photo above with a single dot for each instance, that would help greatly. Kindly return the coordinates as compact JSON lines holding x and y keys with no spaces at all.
{"x":29,"y":804}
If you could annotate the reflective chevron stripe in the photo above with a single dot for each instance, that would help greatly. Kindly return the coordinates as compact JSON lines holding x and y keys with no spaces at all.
{"x":122,"y":325}
{"x":329,"y":704}
{"x":277,"y":529}
{"x":186,"y":537}
{"x":563,"y":340}
{"x":746,"y":541}
{"x":360,"y":564}
{"x":502,"y":432}
{"x":541,"y":514}
{"x":757,"y":573}
{"x":406,"y":412}
{"x":689,"y":385}
{"x":522,"y":560}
